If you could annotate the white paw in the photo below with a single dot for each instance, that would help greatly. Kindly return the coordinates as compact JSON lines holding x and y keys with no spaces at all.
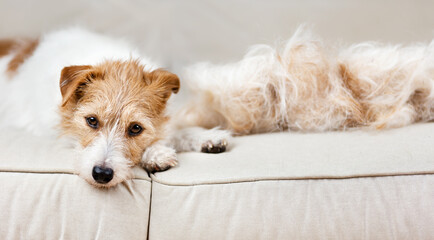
{"x":159,"y":158}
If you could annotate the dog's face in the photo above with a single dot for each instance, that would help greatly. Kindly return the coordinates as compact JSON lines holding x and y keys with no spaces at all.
{"x":115,"y":110}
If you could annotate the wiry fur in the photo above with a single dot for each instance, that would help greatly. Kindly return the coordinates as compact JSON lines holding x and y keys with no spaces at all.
{"x":119,"y":94}
{"x":302,"y":86}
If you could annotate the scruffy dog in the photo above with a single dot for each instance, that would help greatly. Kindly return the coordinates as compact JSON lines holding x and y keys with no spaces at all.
{"x":115,"y":106}
{"x":109,"y":100}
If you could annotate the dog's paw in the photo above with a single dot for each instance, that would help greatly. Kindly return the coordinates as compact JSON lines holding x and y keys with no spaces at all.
{"x":214,"y":147}
{"x":159,"y":158}
{"x":197,"y":139}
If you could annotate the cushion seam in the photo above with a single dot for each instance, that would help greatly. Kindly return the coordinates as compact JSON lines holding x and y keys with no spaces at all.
{"x":56,"y":173}
{"x":167,"y":183}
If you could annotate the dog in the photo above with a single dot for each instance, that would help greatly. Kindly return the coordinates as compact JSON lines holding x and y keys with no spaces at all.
{"x":118,"y":110}
{"x":99,"y":92}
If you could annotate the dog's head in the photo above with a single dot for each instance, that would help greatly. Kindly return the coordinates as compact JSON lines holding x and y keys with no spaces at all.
{"x":115,"y":110}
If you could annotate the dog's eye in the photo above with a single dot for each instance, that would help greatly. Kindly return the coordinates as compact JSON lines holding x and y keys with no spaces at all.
{"x":134,"y":130}
{"x":92,"y":122}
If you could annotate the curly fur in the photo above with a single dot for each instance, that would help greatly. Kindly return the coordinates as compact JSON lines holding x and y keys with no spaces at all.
{"x":302,"y":86}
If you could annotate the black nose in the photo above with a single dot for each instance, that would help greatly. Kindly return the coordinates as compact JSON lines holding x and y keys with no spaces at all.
{"x":102,"y":175}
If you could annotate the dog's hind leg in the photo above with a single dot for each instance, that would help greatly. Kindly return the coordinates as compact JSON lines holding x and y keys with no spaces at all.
{"x":199,"y":139}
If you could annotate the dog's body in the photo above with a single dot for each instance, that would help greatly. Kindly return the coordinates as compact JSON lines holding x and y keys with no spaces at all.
{"x":114,"y":106}
{"x":305,"y":86}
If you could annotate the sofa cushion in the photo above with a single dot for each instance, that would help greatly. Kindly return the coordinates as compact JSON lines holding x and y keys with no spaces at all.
{"x":395,"y":207}
{"x":63,"y":206}
{"x":335,"y":185}
{"x":41,"y":198}
{"x":279,"y":156}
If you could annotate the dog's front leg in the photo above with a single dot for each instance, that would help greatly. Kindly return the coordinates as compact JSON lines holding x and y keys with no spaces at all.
{"x":159,"y":157}
{"x":162,"y":155}
{"x":199,"y":139}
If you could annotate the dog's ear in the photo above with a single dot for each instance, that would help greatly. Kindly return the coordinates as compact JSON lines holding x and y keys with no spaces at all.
{"x":164,"y":82}
{"x":72,"y":78}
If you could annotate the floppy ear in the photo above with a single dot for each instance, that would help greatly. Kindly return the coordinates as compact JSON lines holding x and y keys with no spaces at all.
{"x":71,"y":79}
{"x":164,"y":81}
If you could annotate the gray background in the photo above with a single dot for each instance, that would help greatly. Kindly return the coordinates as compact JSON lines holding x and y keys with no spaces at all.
{"x":178,"y":33}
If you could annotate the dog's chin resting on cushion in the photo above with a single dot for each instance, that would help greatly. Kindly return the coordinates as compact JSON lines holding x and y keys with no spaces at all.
{"x":117,"y":105}
{"x":104,"y":96}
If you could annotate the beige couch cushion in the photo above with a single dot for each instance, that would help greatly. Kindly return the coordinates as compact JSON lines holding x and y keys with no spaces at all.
{"x":351,"y":185}
{"x":40,"y":198}
{"x":279,"y":156}
{"x":63,"y":206}
{"x":399,"y":207}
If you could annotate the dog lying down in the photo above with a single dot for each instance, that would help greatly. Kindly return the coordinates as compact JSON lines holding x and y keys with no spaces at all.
{"x":115,"y":104}
{"x":102,"y":94}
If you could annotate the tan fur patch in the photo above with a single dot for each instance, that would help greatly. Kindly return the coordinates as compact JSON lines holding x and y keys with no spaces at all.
{"x":6,"y":46}
{"x":22,"y":51}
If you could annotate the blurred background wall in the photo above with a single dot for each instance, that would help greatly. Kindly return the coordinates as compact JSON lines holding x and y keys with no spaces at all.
{"x":178,"y":33}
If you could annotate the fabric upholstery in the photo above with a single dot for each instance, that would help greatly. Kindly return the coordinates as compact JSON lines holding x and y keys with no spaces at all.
{"x":63,"y":206}
{"x":350,"y":185}
{"x":398,"y":207}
